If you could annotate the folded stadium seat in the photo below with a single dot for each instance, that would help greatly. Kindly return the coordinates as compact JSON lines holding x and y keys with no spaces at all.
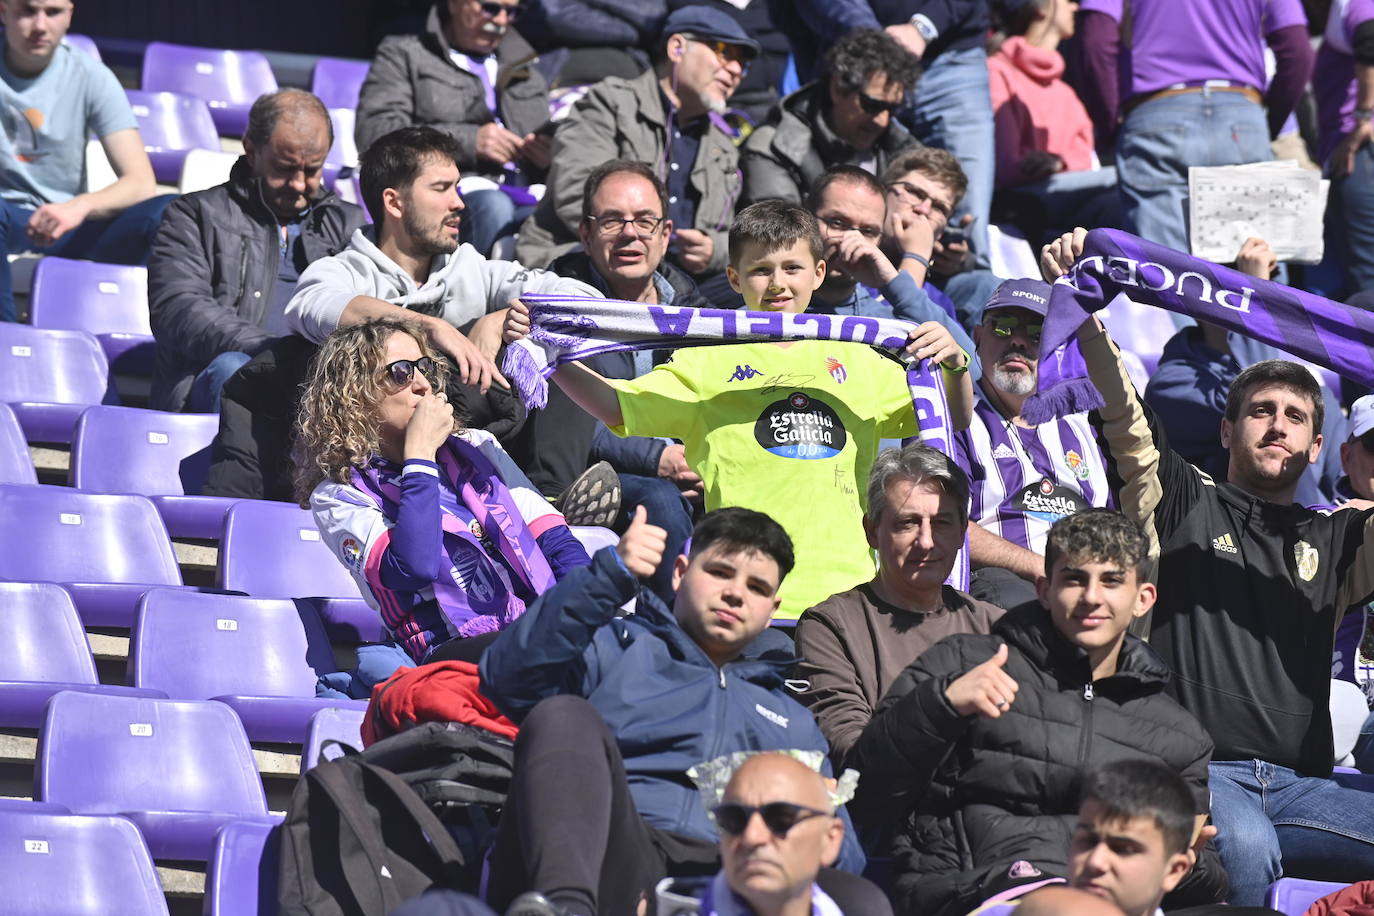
{"x":241,"y":876}
{"x":1294,"y":895}
{"x":594,"y":537}
{"x":259,"y":656}
{"x":1142,"y":329}
{"x":107,"y":550}
{"x":43,"y":650}
{"x":229,"y":81}
{"x":1012,"y":256}
{"x":205,"y":168}
{"x":15,"y":464}
{"x":337,"y":723}
{"x":164,"y":456}
{"x":179,"y":769}
{"x":107,"y":300}
{"x":76,"y":866}
{"x":48,"y":377}
{"x":337,"y":82}
{"x":172,"y":124}
{"x":343,"y":154}
{"x":83,"y":43}
{"x":273,"y":550}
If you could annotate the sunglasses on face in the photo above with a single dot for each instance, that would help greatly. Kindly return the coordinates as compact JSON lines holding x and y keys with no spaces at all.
{"x":402,"y":372}
{"x":727,"y":53}
{"x":875,"y":107}
{"x":492,"y":9}
{"x":1005,"y":325}
{"x":778,"y":817}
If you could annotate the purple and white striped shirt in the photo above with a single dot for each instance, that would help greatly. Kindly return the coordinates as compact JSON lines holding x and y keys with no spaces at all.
{"x":1022,"y":481}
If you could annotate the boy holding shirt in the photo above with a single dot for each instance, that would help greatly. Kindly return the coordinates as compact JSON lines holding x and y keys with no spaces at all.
{"x":789,"y":427}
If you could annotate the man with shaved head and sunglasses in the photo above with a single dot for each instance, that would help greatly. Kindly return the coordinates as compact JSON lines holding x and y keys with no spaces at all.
{"x":844,"y":118}
{"x":1022,"y":478}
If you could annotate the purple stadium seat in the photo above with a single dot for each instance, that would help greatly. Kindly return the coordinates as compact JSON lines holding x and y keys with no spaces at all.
{"x":15,"y":464}
{"x":164,"y":456}
{"x":593,"y":537}
{"x":229,"y":81}
{"x":337,"y":723}
{"x":241,"y":876}
{"x":172,"y":124}
{"x":106,"y":549}
{"x":273,"y":550}
{"x":108,"y":300}
{"x":260,"y":656}
{"x":1294,"y":895}
{"x":343,"y":153}
{"x":43,"y":650}
{"x":48,"y":377}
{"x":179,"y":769}
{"x":77,"y":866}
{"x":84,"y":44}
{"x":337,"y":81}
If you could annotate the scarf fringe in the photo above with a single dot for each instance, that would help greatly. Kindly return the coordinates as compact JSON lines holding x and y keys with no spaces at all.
{"x":1068,"y":396}
{"x":522,"y":369}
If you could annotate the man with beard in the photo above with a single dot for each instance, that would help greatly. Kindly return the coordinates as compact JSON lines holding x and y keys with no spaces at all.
{"x":226,"y":260}
{"x":409,"y":263}
{"x":851,"y":212}
{"x":1022,"y":478}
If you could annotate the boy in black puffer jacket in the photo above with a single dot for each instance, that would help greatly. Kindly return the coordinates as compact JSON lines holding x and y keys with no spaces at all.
{"x":976,"y":756}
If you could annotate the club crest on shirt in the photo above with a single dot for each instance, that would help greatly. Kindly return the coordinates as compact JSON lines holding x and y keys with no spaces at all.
{"x":836,"y":370}
{"x":1075,"y":463}
{"x":476,"y":528}
{"x":352,"y":553}
{"x":1306,"y":559}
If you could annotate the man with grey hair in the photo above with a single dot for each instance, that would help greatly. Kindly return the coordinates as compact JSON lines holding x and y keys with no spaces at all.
{"x":854,"y":645}
{"x":225,"y":260}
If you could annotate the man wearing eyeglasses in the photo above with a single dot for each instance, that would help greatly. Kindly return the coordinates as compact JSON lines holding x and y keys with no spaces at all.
{"x":1022,"y":478}
{"x":844,"y":118}
{"x":778,"y":829}
{"x":472,"y":76}
{"x":669,"y":118}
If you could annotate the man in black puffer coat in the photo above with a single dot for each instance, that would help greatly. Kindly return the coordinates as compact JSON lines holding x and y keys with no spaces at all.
{"x":975,"y":758}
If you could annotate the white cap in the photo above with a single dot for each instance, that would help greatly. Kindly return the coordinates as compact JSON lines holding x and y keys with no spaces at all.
{"x":1362,"y":416}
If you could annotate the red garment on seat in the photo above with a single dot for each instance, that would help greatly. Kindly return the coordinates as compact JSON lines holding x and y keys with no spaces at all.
{"x":437,"y":692}
{"x":1355,"y":900}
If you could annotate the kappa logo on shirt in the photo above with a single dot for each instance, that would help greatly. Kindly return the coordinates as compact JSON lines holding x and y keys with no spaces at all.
{"x":1003,"y":451}
{"x":1224,"y":543}
{"x":778,"y":720}
{"x":743,"y":373}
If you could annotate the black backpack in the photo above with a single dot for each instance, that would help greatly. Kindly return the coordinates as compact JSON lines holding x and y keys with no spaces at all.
{"x":370,"y":830}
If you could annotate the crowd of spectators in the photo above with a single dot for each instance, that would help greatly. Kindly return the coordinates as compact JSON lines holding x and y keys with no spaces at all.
{"x":1162,"y":591}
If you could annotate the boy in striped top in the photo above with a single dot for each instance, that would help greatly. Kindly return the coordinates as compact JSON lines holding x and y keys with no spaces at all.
{"x":1022,"y":478}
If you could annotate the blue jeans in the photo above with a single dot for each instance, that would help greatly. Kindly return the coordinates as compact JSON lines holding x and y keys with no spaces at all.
{"x":1364,"y":747}
{"x":665,"y":507}
{"x":205,"y":390}
{"x":954,"y":112}
{"x":488,"y":216}
{"x":125,"y":239}
{"x":1271,"y":821}
{"x":1352,"y":219}
{"x":1088,"y":198}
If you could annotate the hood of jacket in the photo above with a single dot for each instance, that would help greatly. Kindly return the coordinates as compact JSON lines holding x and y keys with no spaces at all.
{"x":246,"y":190}
{"x":1040,"y":64}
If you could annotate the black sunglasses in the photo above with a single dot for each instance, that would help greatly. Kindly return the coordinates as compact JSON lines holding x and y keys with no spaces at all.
{"x":778,"y":817}
{"x":401,"y":372}
{"x":876,"y":106}
{"x":492,"y":10}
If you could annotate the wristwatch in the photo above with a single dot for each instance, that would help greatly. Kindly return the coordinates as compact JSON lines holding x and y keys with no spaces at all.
{"x":925,"y":27}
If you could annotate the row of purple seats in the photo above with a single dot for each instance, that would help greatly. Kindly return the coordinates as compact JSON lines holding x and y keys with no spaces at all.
{"x":1293,"y":896}
{"x":107,"y":300}
{"x":48,"y":377}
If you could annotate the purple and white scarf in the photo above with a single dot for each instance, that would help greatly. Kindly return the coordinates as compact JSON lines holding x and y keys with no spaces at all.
{"x":1336,"y":336}
{"x":486,"y":601}
{"x":568,"y":328}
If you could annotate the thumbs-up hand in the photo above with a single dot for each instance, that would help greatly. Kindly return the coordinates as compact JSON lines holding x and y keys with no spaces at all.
{"x":641,"y":546}
{"x":985,"y":689}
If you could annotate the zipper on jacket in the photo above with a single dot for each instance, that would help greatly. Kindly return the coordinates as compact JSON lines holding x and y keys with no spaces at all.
{"x":1086,"y":739}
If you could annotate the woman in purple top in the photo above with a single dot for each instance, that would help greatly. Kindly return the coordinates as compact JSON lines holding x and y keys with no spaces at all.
{"x":445,"y":536}
{"x":1343,"y":84}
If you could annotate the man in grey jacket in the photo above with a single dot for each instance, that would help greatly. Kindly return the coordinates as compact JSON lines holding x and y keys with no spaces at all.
{"x":409,"y":262}
{"x":844,"y":118}
{"x":226,"y":260}
{"x":669,"y":118}
{"x":470,"y":75}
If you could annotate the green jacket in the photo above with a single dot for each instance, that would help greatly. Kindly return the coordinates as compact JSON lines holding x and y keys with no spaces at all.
{"x":625,"y":119}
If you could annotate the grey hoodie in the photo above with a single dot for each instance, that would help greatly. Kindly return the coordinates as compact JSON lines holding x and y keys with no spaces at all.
{"x":461,"y":287}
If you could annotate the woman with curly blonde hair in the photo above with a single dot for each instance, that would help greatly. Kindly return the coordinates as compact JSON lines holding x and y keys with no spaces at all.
{"x":446,"y":537}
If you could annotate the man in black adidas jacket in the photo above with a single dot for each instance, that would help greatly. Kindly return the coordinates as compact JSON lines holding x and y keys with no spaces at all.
{"x":1251,"y":588}
{"x":977,"y":754}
